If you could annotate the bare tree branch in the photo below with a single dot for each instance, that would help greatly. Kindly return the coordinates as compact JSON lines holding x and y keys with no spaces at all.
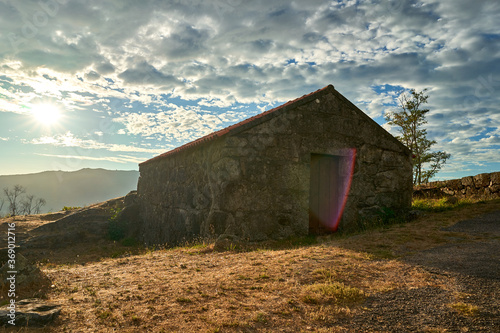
{"x":40,"y":202}
{"x":13,"y":197}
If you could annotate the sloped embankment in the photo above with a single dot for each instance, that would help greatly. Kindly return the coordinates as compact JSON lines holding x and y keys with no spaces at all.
{"x":64,"y":237}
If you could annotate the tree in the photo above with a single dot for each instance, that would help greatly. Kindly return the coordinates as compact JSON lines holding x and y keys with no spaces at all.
{"x":40,"y":202}
{"x":18,"y":204}
{"x":27,"y":204}
{"x":13,"y":197}
{"x":411,"y":120}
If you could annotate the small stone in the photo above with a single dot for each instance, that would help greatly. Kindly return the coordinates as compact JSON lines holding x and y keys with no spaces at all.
{"x":30,"y":280}
{"x":448,"y":191}
{"x":31,"y":312}
{"x":226,"y":242}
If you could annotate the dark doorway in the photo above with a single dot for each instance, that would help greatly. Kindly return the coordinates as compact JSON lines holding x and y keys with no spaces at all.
{"x":324,"y":203}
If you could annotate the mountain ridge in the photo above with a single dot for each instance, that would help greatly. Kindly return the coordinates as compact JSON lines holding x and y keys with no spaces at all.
{"x":72,"y":188}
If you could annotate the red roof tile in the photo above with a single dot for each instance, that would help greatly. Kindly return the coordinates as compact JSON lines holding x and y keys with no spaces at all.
{"x":250,"y":121}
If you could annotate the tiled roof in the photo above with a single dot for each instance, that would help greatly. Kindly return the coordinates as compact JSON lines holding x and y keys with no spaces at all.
{"x":247,"y":123}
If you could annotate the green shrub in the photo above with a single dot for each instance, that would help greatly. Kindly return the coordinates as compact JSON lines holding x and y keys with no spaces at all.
{"x":66,"y":208}
{"x":438,"y":205}
{"x":129,"y":241}
{"x":116,"y":228}
{"x":387,"y":215}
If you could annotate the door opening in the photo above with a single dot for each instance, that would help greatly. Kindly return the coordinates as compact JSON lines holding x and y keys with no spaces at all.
{"x":324,"y":201}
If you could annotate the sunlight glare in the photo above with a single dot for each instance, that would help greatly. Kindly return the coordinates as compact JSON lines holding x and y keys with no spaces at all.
{"x":46,"y":114}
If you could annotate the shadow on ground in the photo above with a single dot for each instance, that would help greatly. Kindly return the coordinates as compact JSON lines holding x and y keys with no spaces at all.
{"x":479,"y":257}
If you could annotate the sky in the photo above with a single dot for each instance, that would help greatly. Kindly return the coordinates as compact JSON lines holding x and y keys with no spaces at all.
{"x":112,"y":83}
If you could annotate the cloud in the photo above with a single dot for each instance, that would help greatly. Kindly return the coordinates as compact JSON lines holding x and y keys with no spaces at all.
{"x":183,"y":42}
{"x":69,"y":140}
{"x":122,"y":159}
{"x":105,"y":68}
{"x":145,"y":74}
{"x":176,"y":125}
{"x":92,"y":76}
{"x":223,"y":54}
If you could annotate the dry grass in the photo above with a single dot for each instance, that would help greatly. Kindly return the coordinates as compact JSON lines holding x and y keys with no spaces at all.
{"x":176,"y":290}
{"x":316,"y":287}
{"x":464,"y":308}
{"x":425,"y":232}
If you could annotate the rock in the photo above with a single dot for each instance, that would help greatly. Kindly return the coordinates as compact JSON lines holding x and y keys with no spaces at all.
{"x":128,"y":221}
{"x":468,"y":181}
{"x":454,"y":184}
{"x":30,"y":281}
{"x":495,"y":178}
{"x":427,"y":193}
{"x":482,"y":180}
{"x":130,"y":198}
{"x":226,"y":242}
{"x":448,"y":191}
{"x":31,"y":312}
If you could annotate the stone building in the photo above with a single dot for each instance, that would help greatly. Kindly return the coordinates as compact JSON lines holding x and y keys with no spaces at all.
{"x":312,"y":165}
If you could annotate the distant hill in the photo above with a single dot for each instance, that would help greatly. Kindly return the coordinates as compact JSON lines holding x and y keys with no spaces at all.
{"x":77,"y":188}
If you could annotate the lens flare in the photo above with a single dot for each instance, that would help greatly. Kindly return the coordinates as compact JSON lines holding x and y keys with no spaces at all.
{"x":331,"y":178}
{"x":347,"y":171}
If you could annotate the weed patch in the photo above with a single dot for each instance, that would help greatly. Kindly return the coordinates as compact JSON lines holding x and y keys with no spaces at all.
{"x":440,"y":205}
{"x":465,"y":309}
{"x":336,"y":292}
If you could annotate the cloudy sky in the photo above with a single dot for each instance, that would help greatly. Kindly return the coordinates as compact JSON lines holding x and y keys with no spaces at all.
{"x":111,"y":83}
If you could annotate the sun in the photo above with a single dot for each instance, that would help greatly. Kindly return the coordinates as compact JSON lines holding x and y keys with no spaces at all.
{"x":46,"y":114}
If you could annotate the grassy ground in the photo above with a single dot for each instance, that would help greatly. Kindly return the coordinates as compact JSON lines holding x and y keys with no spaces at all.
{"x":424,"y":232}
{"x":298,"y":285}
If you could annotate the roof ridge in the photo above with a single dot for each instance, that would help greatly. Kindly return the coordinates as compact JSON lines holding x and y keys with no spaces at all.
{"x":221,"y":132}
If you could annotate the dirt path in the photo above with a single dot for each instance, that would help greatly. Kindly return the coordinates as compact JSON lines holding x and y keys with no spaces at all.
{"x":478,"y":259}
{"x":475,"y":268}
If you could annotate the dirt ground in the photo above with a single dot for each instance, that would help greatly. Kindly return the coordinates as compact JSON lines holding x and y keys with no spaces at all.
{"x":438,"y":273}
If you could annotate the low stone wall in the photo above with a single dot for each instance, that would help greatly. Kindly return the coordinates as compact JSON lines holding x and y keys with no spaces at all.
{"x":482,"y":186}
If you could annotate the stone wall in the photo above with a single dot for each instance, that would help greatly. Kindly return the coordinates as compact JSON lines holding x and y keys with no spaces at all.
{"x":483,"y":186}
{"x":253,"y":181}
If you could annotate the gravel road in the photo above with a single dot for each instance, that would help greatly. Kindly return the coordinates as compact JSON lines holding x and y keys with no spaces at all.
{"x":474,"y":268}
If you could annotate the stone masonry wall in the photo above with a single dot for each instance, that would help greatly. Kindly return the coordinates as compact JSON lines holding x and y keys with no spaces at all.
{"x":483,"y":186}
{"x":254,"y":181}
{"x":176,"y":195}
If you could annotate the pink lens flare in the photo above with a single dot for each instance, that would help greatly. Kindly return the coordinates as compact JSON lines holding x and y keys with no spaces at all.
{"x":346,"y":173}
{"x":331,"y":178}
